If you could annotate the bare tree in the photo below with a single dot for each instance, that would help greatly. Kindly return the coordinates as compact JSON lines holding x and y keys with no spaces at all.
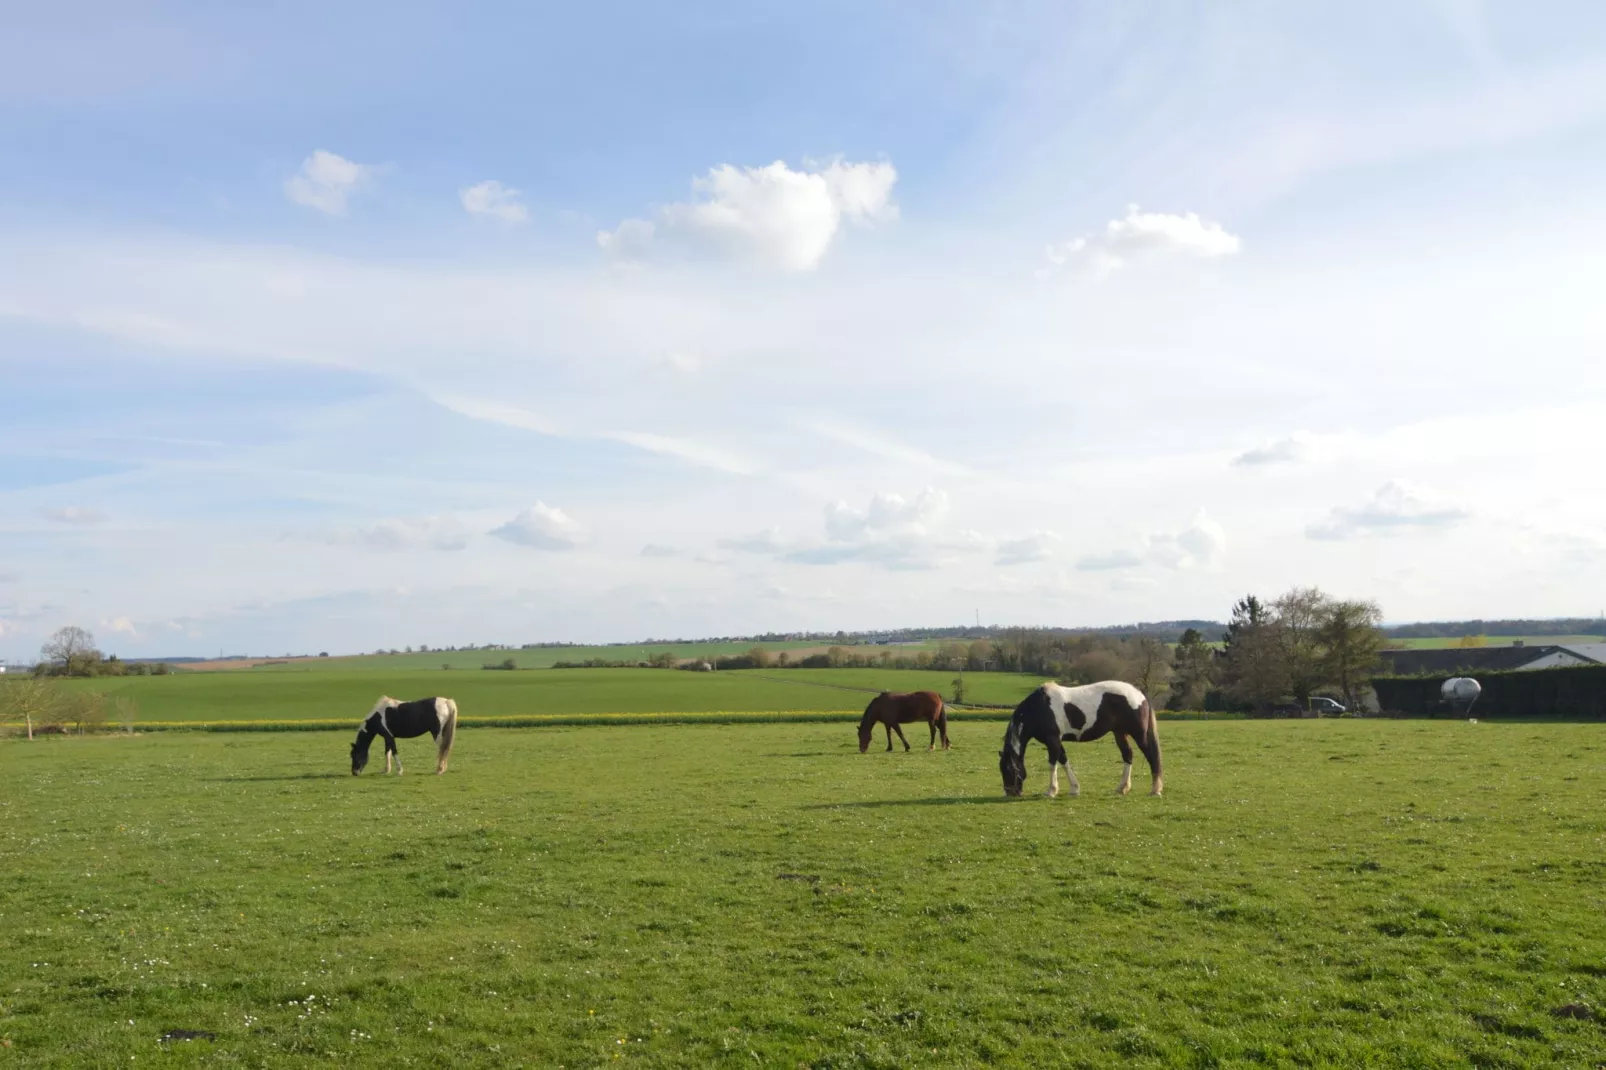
{"x":1297,"y":619}
{"x":1151,"y":664}
{"x":1351,"y":636}
{"x":72,"y":649}
{"x":30,"y":699}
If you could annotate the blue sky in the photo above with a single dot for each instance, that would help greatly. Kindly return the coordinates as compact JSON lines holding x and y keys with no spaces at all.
{"x":345,"y":326}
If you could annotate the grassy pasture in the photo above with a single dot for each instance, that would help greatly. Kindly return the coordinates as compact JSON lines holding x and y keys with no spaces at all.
{"x":257,"y":696}
{"x":525,"y":658}
{"x":1496,"y":640}
{"x":1309,"y":893}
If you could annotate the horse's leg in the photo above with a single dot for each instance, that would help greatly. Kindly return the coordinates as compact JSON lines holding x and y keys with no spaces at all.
{"x":390,"y":751}
{"x":1056,"y":758}
{"x":1126,"y":769}
{"x":899,"y":729}
{"x":932,"y":724}
{"x":1151,"y":751}
{"x":1075,"y":788}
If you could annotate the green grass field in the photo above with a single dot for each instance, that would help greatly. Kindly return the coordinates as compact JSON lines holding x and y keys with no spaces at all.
{"x":531,"y":658}
{"x":254,"y":696}
{"x":1312,"y":893}
{"x":1497,"y":640}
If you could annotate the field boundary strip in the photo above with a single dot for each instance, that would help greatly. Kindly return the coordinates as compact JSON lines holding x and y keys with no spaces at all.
{"x":559,"y":720}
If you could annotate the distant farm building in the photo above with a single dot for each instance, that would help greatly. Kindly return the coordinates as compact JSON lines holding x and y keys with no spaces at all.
{"x":1470,"y":661}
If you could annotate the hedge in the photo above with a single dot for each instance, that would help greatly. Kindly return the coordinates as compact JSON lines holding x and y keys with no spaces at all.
{"x":1576,"y":692}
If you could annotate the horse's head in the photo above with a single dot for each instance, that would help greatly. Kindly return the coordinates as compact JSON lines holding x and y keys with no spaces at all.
{"x":1012,"y":764}
{"x":867,"y":723}
{"x":359,"y":753}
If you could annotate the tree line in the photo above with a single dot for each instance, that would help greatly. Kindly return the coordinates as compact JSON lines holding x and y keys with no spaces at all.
{"x":72,"y":651}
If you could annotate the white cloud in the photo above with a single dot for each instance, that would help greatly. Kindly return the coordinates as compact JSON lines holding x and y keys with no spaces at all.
{"x":773,"y":215}
{"x":630,"y":240}
{"x":76,"y":514}
{"x":893,"y":532}
{"x":768,"y":541}
{"x":1201,"y":544}
{"x":1291,"y":450}
{"x":653,"y":549}
{"x":1038,"y":546}
{"x":541,"y":527}
{"x":888,"y":514}
{"x":1143,"y":238}
{"x":1396,"y":507}
{"x":491,"y":198}
{"x":325,"y":181}
{"x":120,"y":626}
{"x":407,"y":533}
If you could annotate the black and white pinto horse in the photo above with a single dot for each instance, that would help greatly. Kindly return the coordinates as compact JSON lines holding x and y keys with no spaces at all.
{"x":1053,"y":714}
{"x":403,"y":720}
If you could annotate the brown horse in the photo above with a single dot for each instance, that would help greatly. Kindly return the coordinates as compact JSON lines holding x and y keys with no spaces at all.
{"x":893,"y":709}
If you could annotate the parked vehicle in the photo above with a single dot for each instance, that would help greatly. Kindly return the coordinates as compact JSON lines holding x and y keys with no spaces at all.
{"x":1320,"y":706}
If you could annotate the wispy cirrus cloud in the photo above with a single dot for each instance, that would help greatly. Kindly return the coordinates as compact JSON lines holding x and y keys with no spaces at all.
{"x":76,"y":514}
{"x":405,"y":533}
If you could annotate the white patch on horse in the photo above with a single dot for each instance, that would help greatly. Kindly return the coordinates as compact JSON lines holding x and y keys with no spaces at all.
{"x":1075,"y":785}
{"x":1053,"y":780}
{"x":1087,"y":699}
{"x":1126,"y":779}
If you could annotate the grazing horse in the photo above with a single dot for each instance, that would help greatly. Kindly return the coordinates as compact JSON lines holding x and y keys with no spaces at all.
{"x":893,"y":709}
{"x":404,"y":720}
{"x":1053,"y":714}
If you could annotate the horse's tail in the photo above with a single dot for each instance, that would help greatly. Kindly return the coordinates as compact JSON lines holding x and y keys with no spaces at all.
{"x":942,"y":721}
{"x":1150,"y":744}
{"x":446,"y":711}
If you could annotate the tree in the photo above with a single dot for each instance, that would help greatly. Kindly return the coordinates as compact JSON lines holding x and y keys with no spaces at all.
{"x":1351,"y":636}
{"x":1193,"y":669}
{"x":70,"y":652}
{"x":1252,"y":661}
{"x":29,"y":698}
{"x":1297,"y":618}
{"x":1472,"y":641}
{"x":1151,"y":664}
{"x":760,"y":657}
